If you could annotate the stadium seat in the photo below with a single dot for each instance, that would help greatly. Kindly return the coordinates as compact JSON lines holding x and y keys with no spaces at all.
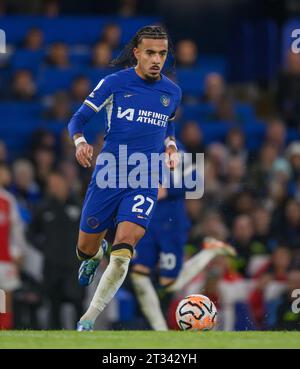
{"x":16,"y":26}
{"x":191,"y":80}
{"x":204,"y":112}
{"x":199,"y":112}
{"x":52,"y":79}
{"x":217,"y":64}
{"x":255,"y":133}
{"x":241,"y":57}
{"x":80,"y":56}
{"x":266,"y":35}
{"x":214,"y":131}
{"x":26,"y":59}
{"x":293,"y":135}
{"x":245,"y":111}
{"x":96,"y":74}
{"x":70,"y":29}
{"x":18,"y":121}
{"x":126,"y":306}
{"x":26,"y":110}
{"x":54,"y":126}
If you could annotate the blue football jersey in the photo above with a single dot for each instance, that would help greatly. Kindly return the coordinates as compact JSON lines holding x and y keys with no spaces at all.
{"x":137,"y":115}
{"x":137,"y":111}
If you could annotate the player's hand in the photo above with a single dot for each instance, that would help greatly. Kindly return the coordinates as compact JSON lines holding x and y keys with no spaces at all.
{"x":172,"y":157}
{"x":84,"y":154}
{"x":162,"y":193}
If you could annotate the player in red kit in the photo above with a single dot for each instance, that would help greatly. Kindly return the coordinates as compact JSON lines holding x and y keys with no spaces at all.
{"x":11,"y":242}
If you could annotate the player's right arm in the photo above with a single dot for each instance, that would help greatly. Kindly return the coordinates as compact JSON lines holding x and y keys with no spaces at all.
{"x":98,"y":98}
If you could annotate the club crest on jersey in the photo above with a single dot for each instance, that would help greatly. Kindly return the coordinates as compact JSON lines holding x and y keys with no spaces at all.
{"x":165,"y":100}
{"x":93,"y":222}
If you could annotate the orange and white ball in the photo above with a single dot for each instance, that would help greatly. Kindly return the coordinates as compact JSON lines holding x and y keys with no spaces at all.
{"x":196,"y":313}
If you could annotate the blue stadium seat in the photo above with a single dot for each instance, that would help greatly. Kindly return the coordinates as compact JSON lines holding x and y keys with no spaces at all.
{"x":293,"y":135}
{"x":96,"y":74}
{"x":18,"y":121}
{"x":27,"y":110}
{"x":52,"y":79}
{"x":17,"y":133}
{"x":253,"y":51}
{"x":217,"y":64}
{"x":217,"y":131}
{"x":199,"y":112}
{"x":191,"y":80}
{"x":204,"y":111}
{"x":255,"y":132}
{"x":16,"y":26}
{"x":54,"y":126}
{"x":241,"y":55}
{"x":73,"y":30}
{"x":245,"y":111}
{"x":26,"y":59}
{"x":70,"y":29}
{"x":126,"y":305}
{"x":80,"y":57}
{"x":214,"y":131}
{"x":266,"y":49}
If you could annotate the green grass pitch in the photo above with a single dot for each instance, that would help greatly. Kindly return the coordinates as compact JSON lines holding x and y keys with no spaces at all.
{"x":147,"y":339}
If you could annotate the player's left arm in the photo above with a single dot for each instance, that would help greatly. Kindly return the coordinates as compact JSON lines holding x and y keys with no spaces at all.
{"x":171,"y":150}
{"x":172,"y":155}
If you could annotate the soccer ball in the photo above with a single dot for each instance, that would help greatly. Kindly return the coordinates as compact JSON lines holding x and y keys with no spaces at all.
{"x":196,"y":313}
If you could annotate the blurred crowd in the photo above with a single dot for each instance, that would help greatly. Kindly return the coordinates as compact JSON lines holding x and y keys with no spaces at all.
{"x":54,"y":8}
{"x":251,"y":200}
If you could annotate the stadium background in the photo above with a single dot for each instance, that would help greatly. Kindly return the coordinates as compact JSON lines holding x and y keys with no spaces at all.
{"x":241,"y":106}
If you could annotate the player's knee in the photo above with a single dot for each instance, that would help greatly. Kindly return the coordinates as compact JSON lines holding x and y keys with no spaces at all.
{"x":85,"y":251}
{"x":166,"y":282}
{"x":129,"y":233}
{"x":141,"y":269}
{"x":88,"y":247}
{"x":139,"y":276}
{"x":139,"y":281}
{"x":128,"y":236}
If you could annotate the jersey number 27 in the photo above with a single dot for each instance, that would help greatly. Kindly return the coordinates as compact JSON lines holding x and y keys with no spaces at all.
{"x":140,"y":201}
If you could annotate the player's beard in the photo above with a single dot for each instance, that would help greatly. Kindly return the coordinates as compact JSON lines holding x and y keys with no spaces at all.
{"x":151,"y":77}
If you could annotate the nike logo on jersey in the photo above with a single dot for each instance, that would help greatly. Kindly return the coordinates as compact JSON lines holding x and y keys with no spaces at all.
{"x":128,"y":95}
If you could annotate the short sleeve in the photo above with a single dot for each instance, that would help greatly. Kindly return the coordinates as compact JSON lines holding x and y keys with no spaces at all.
{"x":101,"y":94}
